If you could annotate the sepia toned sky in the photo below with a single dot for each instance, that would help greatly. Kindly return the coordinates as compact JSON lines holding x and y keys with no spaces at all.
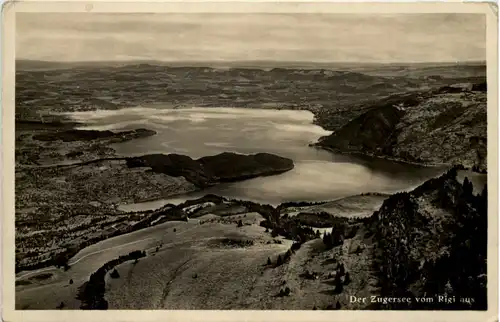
{"x":239,"y":37}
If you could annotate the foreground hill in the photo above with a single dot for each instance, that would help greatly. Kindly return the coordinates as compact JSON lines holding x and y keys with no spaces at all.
{"x":433,"y":241}
{"x":213,"y":253}
{"x":444,"y":126}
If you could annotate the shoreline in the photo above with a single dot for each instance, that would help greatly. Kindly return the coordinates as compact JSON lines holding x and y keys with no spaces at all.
{"x":381,"y":157}
{"x":399,"y":160}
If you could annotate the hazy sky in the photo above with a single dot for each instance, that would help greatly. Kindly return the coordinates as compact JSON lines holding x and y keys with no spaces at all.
{"x":233,"y":37}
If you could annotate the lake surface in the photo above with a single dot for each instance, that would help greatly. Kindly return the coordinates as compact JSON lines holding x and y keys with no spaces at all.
{"x":318,"y":174}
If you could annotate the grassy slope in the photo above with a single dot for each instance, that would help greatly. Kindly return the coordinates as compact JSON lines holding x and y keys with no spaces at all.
{"x":353,"y":206}
{"x":238,"y":278}
{"x":196,"y":241}
{"x":89,"y":260}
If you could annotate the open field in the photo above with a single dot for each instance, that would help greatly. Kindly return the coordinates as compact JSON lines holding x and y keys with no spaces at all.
{"x":199,"y":265}
{"x":353,"y":206}
{"x":190,"y":235}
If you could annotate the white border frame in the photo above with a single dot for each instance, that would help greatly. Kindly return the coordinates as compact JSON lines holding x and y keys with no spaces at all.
{"x":8,"y":64}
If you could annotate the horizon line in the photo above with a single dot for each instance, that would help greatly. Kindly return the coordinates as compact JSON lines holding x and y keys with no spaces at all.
{"x":251,"y":61}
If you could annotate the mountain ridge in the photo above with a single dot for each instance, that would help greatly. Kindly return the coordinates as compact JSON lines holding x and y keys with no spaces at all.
{"x":442,"y":126}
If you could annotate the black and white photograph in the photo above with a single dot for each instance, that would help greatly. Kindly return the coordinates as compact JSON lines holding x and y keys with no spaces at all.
{"x":251,"y":161}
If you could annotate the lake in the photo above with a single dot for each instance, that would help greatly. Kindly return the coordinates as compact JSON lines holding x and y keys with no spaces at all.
{"x":318,"y":174}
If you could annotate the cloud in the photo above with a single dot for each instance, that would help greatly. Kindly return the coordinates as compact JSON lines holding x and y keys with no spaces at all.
{"x":232,"y":37}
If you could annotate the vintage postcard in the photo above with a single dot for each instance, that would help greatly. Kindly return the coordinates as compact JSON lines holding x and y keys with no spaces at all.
{"x":257,"y":161}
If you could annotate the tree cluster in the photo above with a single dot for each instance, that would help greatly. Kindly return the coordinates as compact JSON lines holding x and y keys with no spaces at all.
{"x":91,"y":293}
{"x":460,"y":271}
{"x":335,"y":238}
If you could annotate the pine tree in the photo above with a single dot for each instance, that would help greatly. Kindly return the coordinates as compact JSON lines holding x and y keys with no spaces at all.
{"x":268,"y":261}
{"x":453,"y":172}
{"x":279,"y":262}
{"x":341,"y":269}
{"x":484,"y":193}
{"x":327,"y":239}
{"x":468,"y":187}
{"x":347,"y":278}
{"x":339,"y":287}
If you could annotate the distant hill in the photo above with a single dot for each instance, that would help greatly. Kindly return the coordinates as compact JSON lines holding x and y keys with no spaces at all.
{"x":462,"y":69}
{"x":33,"y":65}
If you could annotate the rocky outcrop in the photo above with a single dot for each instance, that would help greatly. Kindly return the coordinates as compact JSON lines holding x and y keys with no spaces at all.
{"x":371,"y":132}
{"x":431,"y":242}
{"x":207,"y":171}
{"x":89,"y":135}
{"x":443,"y":126}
